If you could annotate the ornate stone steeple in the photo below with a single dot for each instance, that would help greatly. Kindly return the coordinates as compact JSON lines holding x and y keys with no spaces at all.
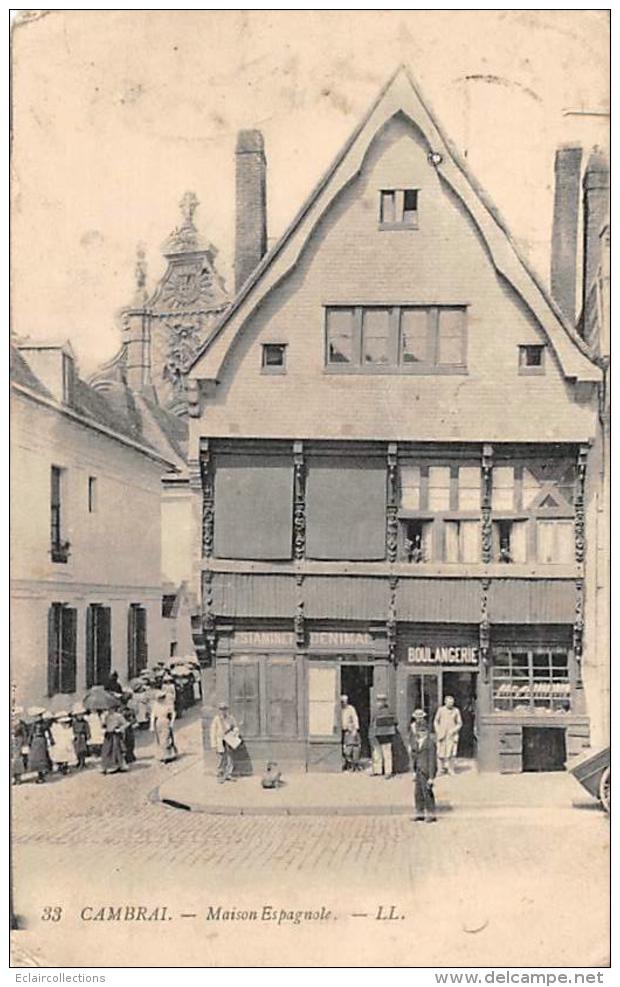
{"x":163,"y":331}
{"x":184,"y":306}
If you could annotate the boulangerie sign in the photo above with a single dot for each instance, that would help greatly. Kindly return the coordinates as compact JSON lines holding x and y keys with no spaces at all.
{"x":424,"y":655}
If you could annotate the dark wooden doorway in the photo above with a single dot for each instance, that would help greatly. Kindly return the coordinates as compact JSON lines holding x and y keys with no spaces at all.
{"x":462,"y":685}
{"x":544,"y":749}
{"x":356,"y":682}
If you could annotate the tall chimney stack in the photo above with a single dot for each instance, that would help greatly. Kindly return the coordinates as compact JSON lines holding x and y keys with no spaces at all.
{"x":251,"y":204}
{"x":595,"y":215}
{"x":565,"y":226}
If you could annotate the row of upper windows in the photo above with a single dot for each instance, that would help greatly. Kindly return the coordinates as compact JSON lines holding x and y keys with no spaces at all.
{"x":458,"y":488}
{"x":405,"y":338}
{"x":550,"y":541}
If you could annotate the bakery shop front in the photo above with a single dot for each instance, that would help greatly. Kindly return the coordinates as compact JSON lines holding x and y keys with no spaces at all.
{"x":435,"y":663}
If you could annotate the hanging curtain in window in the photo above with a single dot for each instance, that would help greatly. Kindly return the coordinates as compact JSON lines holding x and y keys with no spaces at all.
{"x":470,"y":541}
{"x":518,"y":541}
{"x":451,"y":531}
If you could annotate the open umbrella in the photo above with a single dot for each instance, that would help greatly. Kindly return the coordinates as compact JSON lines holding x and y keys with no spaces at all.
{"x":98,"y":698}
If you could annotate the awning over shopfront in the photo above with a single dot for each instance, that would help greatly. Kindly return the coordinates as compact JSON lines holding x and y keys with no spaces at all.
{"x":438,"y":600}
{"x":532,"y":601}
{"x":239,"y":595}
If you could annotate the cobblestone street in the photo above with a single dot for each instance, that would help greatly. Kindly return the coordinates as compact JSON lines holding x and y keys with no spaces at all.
{"x":495,"y":886}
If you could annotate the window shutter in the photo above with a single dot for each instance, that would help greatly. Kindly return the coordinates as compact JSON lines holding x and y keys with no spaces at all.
{"x":282,"y":680}
{"x":253,"y":507}
{"x":141,"y":639}
{"x":90,"y":647}
{"x":69,"y":642}
{"x":345,"y":509}
{"x":245,"y":697}
{"x":131,"y":643}
{"x":53,"y":657}
{"x":104,"y":644}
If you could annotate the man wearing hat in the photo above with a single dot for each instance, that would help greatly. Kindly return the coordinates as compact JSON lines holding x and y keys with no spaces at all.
{"x":423,"y":750}
{"x":381,"y":732}
{"x":81,"y":734}
{"x":223,"y":729}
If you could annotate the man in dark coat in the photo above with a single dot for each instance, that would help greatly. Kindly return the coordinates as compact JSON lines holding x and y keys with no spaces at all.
{"x":113,"y":684}
{"x":424,"y":764}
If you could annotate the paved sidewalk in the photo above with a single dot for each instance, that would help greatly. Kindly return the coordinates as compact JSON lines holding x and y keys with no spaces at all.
{"x":196,"y":788}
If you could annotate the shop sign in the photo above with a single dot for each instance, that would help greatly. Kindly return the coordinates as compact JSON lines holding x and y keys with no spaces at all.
{"x":423,"y":655}
{"x":339,"y":639}
{"x":264,"y":639}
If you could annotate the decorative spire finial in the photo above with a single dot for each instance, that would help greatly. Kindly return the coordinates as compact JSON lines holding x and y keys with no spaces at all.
{"x":185,"y":238}
{"x":140,"y":296}
{"x":189,"y":203}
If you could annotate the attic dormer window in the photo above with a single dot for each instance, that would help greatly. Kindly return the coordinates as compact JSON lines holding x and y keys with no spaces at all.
{"x":398,"y":209}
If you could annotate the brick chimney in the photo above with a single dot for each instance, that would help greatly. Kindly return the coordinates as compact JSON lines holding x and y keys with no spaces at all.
{"x":565,"y":226}
{"x":595,"y":216}
{"x":251,"y":204}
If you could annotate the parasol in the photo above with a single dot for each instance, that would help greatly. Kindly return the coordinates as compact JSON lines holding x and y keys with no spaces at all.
{"x":98,"y":698}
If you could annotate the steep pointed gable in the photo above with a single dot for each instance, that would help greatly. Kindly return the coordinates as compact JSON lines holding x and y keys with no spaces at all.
{"x":399,"y":97}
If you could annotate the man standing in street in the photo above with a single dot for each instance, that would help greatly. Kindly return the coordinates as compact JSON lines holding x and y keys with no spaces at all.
{"x":424,"y":764}
{"x":350,"y":725}
{"x":224,"y":738}
{"x":447,"y":725}
{"x":381,"y":734}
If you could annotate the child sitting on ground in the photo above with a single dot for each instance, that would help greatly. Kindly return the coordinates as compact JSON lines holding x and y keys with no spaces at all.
{"x":272,"y":777}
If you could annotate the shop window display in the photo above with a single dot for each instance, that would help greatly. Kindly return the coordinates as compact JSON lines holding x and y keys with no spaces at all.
{"x":531,"y":681}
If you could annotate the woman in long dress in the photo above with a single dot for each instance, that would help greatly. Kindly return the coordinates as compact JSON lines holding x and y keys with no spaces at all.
{"x":112,"y":759}
{"x":62,"y":751}
{"x":38,"y":747}
{"x":19,"y":741}
{"x":162,"y":718}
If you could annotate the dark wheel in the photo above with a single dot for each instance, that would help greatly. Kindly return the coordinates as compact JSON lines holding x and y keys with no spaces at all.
{"x":604,"y":790}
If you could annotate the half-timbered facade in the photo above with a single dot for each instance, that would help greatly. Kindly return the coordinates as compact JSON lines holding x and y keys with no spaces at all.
{"x":389,"y":438}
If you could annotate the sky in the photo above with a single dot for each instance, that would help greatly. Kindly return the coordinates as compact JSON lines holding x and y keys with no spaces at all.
{"x":117,"y":113}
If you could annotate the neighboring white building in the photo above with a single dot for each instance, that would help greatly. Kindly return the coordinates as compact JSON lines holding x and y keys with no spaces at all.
{"x":86,"y":485}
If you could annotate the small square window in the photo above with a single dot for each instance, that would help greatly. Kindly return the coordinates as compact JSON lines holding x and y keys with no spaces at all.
{"x":398,"y":208}
{"x":531,"y":359}
{"x":274,"y":358}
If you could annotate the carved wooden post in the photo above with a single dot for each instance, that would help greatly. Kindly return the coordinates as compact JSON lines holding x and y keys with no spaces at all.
{"x":391,"y":623}
{"x":580,"y":513}
{"x":578,"y":631}
{"x":485,"y":628}
{"x":299,"y":502}
{"x":487,"y":488}
{"x":391,"y":536}
{"x":208,"y":491}
{"x":208,"y":612}
{"x":299,"y":619}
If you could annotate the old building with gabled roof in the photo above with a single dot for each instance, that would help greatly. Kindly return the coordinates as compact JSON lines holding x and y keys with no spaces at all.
{"x":86,"y":548}
{"x":390,"y":430}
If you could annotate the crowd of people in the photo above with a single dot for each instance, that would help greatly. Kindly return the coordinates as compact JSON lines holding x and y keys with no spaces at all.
{"x":103,"y":726}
